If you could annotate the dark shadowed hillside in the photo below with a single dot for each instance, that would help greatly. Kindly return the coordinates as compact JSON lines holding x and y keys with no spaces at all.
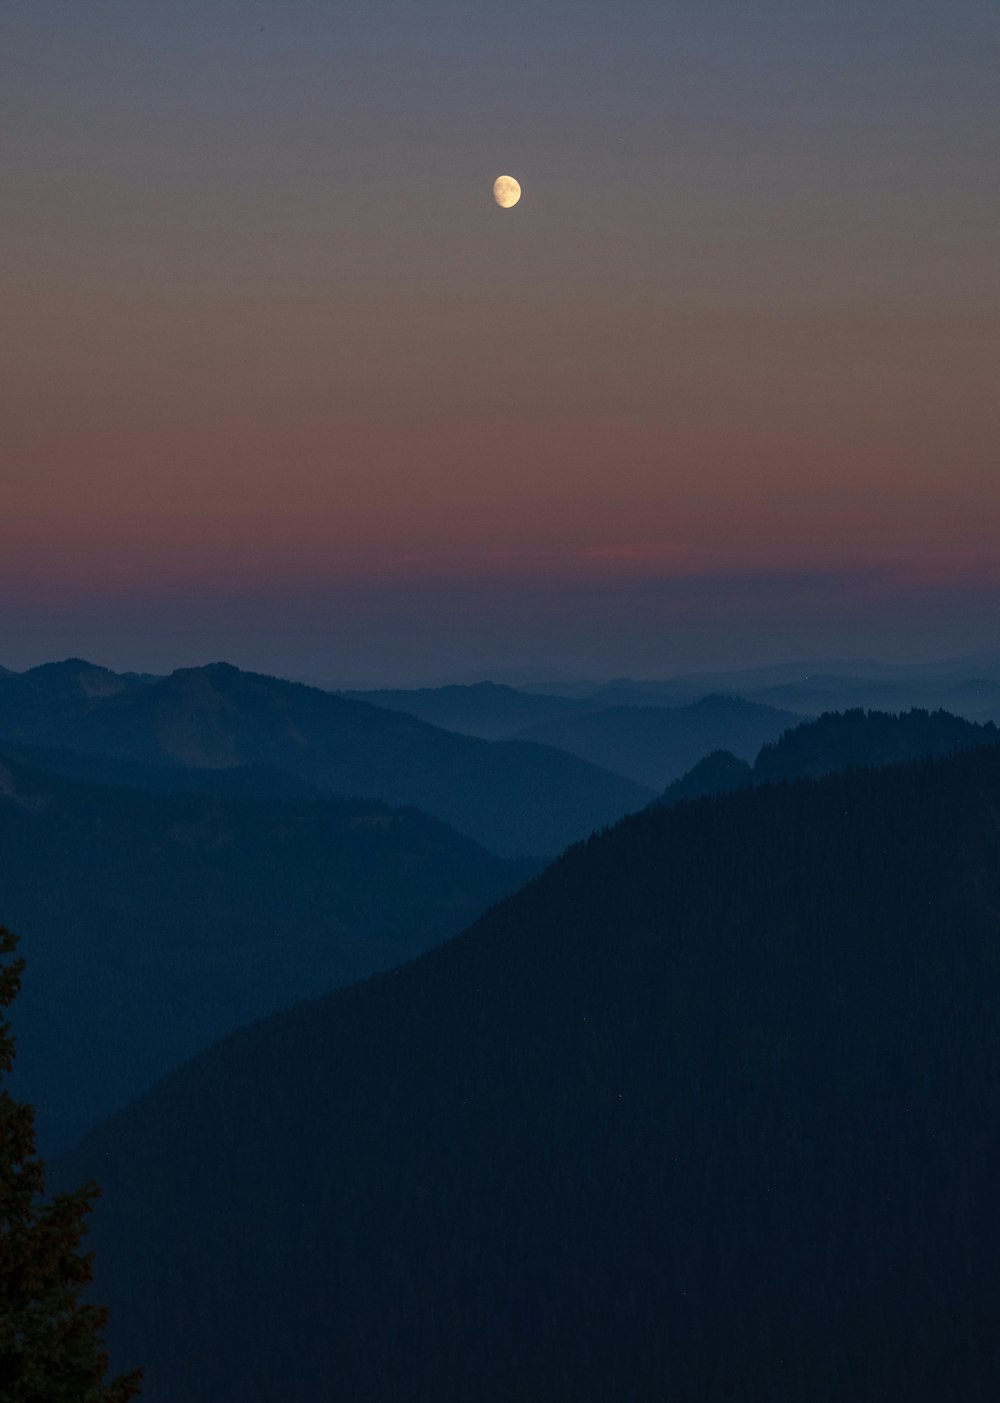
{"x":111,"y":772}
{"x":152,"y":924}
{"x":514,"y":798}
{"x":654,"y":745}
{"x":709,"y":1111}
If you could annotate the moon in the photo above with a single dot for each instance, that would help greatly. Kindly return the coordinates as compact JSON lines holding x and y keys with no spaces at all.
{"x":506,"y":191}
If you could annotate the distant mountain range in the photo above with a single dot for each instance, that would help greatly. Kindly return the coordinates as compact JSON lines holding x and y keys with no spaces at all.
{"x":834,"y":742}
{"x":969,"y":687}
{"x":966,"y":687}
{"x":654,"y":745}
{"x":706,"y":1112}
{"x":486,"y":709}
{"x":984,"y":664}
{"x":154,"y":923}
{"x":971,"y":697}
{"x":515,"y":798}
{"x":700,"y":683}
{"x":615,"y":729}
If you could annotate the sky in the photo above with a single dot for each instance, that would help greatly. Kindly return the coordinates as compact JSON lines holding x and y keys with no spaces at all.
{"x":280,"y":384}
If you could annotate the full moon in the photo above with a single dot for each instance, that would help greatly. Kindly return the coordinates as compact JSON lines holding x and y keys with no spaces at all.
{"x":506,"y":191}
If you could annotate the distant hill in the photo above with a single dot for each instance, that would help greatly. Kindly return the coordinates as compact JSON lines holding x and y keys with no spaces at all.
{"x":719,"y":773}
{"x":706,"y":1112}
{"x":985,"y":664}
{"x":655,"y":745}
{"x":835,"y":742}
{"x":486,"y":709}
{"x":35,"y":705}
{"x":498,"y":712}
{"x":966,"y":697}
{"x":551,"y":681}
{"x":516,"y":799}
{"x":152,"y":924}
{"x":625,"y":692}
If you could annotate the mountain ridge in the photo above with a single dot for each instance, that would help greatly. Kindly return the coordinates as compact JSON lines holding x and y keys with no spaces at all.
{"x":835,"y":742}
{"x":704,"y":1112}
{"x":517,"y":799}
{"x":661,"y":743}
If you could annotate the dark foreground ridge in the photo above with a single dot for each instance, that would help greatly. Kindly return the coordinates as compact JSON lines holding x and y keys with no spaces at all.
{"x":708,"y":1111}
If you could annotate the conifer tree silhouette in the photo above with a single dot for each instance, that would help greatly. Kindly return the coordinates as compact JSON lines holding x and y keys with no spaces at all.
{"x":51,"y":1350}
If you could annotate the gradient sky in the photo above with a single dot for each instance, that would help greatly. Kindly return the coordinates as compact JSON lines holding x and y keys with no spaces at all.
{"x":280,"y":384}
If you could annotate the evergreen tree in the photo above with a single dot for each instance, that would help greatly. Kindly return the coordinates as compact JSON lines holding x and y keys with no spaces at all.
{"x":51,"y":1349}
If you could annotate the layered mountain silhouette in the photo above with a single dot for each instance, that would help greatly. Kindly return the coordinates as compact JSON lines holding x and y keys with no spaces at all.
{"x":515,"y":798}
{"x":844,"y":671}
{"x":487,"y":709}
{"x":152,"y":924}
{"x":837,"y":741}
{"x":655,"y":745}
{"x":970,"y":697}
{"x":496,"y":711}
{"x":707,"y":1111}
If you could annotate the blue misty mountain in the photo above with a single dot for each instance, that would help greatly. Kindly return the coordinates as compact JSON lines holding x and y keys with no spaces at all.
{"x":515,"y":798}
{"x":487,"y":709}
{"x":985,"y":664}
{"x":812,"y":689}
{"x":963,"y":685}
{"x":655,"y":745}
{"x":970,"y":697}
{"x":154,"y":923}
{"x":707,"y":1111}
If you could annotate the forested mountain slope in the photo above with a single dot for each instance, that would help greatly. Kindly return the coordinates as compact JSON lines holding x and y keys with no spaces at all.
{"x":835,"y":742}
{"x":840,"y":740}
{"x":708,"y":1111}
